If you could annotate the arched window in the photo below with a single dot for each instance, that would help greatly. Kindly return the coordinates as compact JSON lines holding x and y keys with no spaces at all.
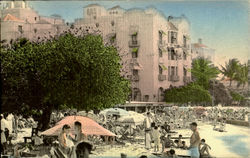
{"x":161,"y":94}
{"x":160,"y":70}
{"x":136,"y":94}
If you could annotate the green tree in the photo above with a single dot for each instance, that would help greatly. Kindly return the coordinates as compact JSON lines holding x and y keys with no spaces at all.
{"x":237,"y":97}
{"x":79,"y":71}
{"x":190,"y":93}
{"x":230,"y":69}
{"x":242,"y":75}
{"x":203,"y":71}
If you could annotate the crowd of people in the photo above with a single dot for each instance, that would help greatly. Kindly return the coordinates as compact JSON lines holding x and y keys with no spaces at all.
{"x":156,"y":130}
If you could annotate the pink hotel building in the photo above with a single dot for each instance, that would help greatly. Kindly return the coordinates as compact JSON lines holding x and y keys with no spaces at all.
{"x":155,"y":50}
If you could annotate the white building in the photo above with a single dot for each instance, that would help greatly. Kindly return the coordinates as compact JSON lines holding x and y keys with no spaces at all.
{"x":201,"y":50}
{"x":18,"y":20}
{"x":155,"y":50}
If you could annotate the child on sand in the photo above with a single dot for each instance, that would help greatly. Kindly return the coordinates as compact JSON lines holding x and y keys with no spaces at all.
{"x":184,"y":146}
{"x":204,"y":150}
{"x":156,"y":138}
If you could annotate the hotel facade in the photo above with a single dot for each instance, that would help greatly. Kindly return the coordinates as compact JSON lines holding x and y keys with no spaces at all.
{"x":155,"y":50}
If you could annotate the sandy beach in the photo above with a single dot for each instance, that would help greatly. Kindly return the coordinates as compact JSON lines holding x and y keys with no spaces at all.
{"x":235,"y":143}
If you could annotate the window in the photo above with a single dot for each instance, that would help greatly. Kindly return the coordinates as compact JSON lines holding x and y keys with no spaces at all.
{"x":184,"y":71}
{"x":160,"y":53}
{"x":112,"y":23}
{"x":113,"y":38}
{"x":172,"y":71}
{"x":134,"y":38}
{"x":169,"y":54}
{"x":135,"y":53}
{"x":135,"y":72}
{"x":184,"y":41}
{"x":169,"y":72}
{"x":172,"y":54}
{"x":160,"y":37}
{"x":146,"y":98}
{"x":20,"y":28}
{"x":173,"y":37}
{"x":35,"y":30}
{"x":94,"y":17}
{"x":97,"y":24}
{"x":160,"y":70}
{"x":184,"y":56}
{"x":35,"y":18}
{"x":176,"y":70}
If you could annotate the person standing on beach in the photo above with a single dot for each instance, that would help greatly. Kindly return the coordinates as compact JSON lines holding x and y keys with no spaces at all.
{"x":147,"y":122}
{"x":194,"y":141}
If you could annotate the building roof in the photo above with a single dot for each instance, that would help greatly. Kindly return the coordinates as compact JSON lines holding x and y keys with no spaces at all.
{"x":42,"y":21}
{"x":92,"y":5}
{"x":116,"y":7}
{"x":10,"y":17}
{"x":172,"y":27}
{"x":198,"y":45}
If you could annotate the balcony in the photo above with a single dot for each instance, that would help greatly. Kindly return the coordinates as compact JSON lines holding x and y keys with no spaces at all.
{"x":174,"y":78}
{"x":186,"y":79}
{"x":162,"y":77}
{"x":135,"y":78}
{"x":134,"y":43}
{"x":161,"y":61}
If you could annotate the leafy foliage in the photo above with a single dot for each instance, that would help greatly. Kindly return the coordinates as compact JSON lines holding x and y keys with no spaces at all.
{"x":80,"y":72}
{"x":203,"y":71}
{"x":236,"y":96}
{"x":191,"y":93}
{"x":242,"y":75}
{"x":230,"y":69}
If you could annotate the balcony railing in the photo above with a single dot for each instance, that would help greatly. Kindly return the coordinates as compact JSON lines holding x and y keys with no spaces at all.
{"x":186,"y":79}
{"x":174,"y":78}
{"x":162,"y":77}
{"x":134,"y":43}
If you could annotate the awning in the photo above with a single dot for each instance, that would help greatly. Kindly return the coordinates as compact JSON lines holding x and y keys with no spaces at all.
{"x":163,"y":67}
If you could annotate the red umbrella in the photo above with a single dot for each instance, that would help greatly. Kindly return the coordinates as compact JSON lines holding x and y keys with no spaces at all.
{"x":89,"y":127}
{"x":200,"y":109}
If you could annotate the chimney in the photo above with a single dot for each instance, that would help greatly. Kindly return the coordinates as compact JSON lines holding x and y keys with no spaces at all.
{"x":200,"y":41}
{"x":23,"y":4}
{"x":12,"y":4}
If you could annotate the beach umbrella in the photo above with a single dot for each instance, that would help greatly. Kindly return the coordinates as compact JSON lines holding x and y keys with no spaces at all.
{"x":135,"y":119}
{"x":199,"y":110}
{"x":114,"y":111}
{"x":89,"y":127}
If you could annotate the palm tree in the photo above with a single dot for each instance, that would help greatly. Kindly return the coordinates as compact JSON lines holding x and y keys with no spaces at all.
{"x":203,"y":71}
{"x":230,"y":70}
{"x":242,"y":75}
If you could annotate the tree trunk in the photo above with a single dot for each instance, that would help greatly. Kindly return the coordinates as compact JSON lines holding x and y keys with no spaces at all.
{"x":43,"y":124}
{"x":230,"y":83}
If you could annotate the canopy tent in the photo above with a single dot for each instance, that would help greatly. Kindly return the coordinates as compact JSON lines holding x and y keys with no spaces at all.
{"x":89,"y":127}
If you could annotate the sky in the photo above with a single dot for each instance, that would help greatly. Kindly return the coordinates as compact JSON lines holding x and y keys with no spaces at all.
{"x":222,"y":25}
